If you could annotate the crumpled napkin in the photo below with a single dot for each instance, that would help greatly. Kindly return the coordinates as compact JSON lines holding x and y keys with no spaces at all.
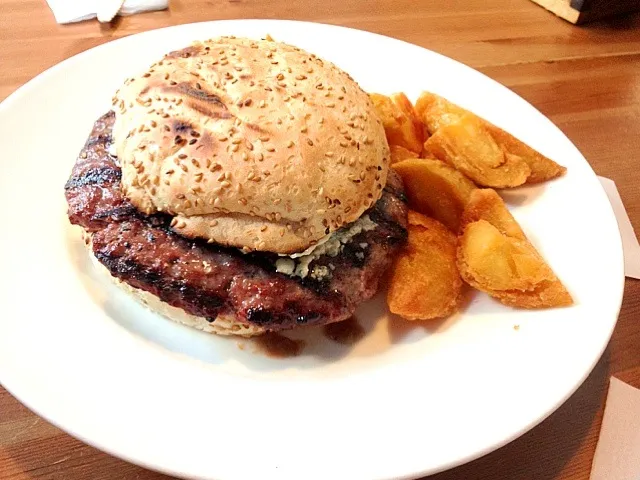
{"x":70,"y":11}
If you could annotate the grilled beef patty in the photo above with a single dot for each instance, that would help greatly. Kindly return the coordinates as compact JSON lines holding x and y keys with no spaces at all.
{"x":207,"y":280}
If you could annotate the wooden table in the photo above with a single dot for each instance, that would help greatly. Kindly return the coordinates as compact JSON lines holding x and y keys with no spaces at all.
{"x":586,"y":79}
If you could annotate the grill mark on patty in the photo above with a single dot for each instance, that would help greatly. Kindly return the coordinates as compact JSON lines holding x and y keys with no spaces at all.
{"x":96,"y":176}
{"x":175,"y":293}
{"x":142,"y":251}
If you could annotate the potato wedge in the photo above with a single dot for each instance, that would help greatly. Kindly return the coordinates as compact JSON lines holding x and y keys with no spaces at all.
{"x":507,"y":268}
{"x":486,"y":204}
{"x":435,"y":189}
{"x":401,"y":124}
{"x":425,"y":282}
{"x":546,"y":294}
{"x":489,"y":260}
{"x":468,"y":146}
{"x":399,"y":153}
{"x":542,"y":168}
{"x":437,"y":112}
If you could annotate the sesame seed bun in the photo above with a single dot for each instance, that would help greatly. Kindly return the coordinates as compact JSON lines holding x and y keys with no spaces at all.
{"x":249,"y":143}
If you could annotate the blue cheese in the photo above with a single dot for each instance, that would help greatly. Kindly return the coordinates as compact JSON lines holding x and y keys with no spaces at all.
{"x":298,"y":264}
{"x":285,"y":265}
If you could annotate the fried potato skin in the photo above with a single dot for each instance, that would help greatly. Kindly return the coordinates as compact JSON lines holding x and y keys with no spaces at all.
{"x":401,"y":124}
{"x":424,"y":281}
{"x":435,"y":189}
{"x":495,"y":256}
{"x":491,"y":261}
{"x":399,"y":153}
{"x":486,"y":204}
{"x":437,"y":112}
{"x":542,"y":168}
{"x":467,"y":146}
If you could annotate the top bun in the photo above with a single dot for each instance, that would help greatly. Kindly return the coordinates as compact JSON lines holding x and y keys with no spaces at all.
{"x":249,"y":143}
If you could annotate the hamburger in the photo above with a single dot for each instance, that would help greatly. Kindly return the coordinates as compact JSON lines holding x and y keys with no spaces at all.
{"x":240,"y":186}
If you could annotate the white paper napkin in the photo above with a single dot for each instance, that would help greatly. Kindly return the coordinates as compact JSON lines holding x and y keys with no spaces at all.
{"x":70,"y":11}
{"x":630,"y":244}
{"x":617,"y":455}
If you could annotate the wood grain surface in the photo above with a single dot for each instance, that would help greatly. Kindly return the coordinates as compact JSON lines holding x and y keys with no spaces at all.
{"x":585,"y":79}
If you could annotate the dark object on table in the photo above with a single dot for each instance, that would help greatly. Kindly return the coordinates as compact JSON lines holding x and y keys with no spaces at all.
{"x":581,"y":11}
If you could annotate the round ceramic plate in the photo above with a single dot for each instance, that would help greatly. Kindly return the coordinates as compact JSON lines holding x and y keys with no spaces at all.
{"x":406,"y":400}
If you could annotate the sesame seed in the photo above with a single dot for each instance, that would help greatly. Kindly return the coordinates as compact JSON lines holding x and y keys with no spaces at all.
{"x":271,"y":149}
{"x":263,"y":228}
{"x":213,"y":223}
{"x":245,"y":157}
{"x":303,"y":130}
{"x":182,"y":156}
{"x":290,"y":144}
{"x":243,"y":201}
{"x":184,"y":167}
{"x":247,"y":102}
{"x":264,"y":138}
{"x":225,"y":184}
{"x":235,"y":148}
{"x":310,"y":142}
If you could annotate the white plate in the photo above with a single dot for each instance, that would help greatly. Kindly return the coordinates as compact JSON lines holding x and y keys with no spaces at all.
{"x":403,"y":402}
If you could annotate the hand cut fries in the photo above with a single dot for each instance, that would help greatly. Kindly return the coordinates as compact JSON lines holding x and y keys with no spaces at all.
{"x":489,"y":260}
{"x":435,"y":189}
{"x":491,"y":253}
{"x":425,"y":282}
{"x":542,"y":168}
{"x":486,"y":204}
{"x":438,"y":113}
{"x":469,"y":147}
{"x":399,"y":153}
{"x":495,"y":256}
{"x":401,"y":123}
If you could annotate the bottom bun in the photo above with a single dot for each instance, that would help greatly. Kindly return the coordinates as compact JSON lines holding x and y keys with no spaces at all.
{"x":222,"y":325}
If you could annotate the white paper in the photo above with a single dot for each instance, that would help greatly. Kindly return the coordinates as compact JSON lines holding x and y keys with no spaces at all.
{"x":69,"y":11}
{"x":630,"y":244}
{"x":617,"y":455}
